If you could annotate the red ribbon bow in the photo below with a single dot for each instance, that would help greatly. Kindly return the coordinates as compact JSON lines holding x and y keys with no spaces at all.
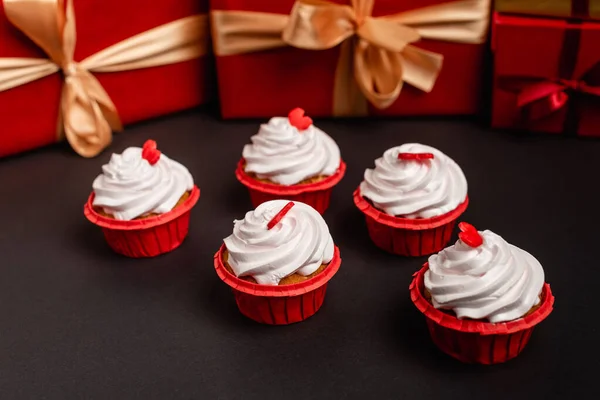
{"x":540,"y":98}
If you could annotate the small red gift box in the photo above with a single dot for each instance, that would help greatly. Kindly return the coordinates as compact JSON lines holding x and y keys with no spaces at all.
{"x":546,"y":75}
{"x":31,"y":111}
{"x":272,"y":77}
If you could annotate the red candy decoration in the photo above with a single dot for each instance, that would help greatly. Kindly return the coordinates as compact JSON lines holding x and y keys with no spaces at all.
{"x":415,"y":156}
{"x":280,"y":215}
{"x":469,"y":235}
{"x":298,"y":119}
{"x":150,"y":153}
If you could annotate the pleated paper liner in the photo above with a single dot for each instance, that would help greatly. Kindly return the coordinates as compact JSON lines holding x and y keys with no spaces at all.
{"x":282,"y":304}
{"x":480,"y":342}
{"x":406,"y":236}
{"x":148,"y":237}
{"x":316,"y":195}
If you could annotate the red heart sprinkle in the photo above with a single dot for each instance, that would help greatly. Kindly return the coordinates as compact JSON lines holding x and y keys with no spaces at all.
{"x":298,"y":119}
{"x":280,"y":215}
{"x":150,"y":153}
{"x":469,"y":235}
{"x":415,"y":156}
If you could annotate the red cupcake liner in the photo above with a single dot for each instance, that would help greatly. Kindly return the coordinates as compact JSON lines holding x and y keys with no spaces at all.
{"x":405,"y":236}
{"x":278,"y":305}
{"x":316,"y":195}
{"x":148,"y":237}
{"x":472,"y":341}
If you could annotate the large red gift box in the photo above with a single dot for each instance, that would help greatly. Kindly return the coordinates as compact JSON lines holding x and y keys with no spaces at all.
{"x":272,"y":82}
{"x":29,"y":113}
{"x":546,"y":75}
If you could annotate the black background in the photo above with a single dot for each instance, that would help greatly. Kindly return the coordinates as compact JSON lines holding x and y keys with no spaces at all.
{"x":77,"y":321}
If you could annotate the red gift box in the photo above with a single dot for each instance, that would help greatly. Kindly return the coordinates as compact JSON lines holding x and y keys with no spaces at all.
{"x":30,"y":112}
{"x":270,"y":82}
{"x":546,"y":75}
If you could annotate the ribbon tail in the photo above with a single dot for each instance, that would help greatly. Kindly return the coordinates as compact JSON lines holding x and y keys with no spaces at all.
{"x":19,"y":71}
{"x":86,"y":114}
{"x":348,"y":100}
{"x":421,"y":67}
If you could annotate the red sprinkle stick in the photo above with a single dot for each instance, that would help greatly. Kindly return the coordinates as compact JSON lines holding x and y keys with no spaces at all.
{"x":150,"y":153}
{"x":469,"y":235}
{"x":415,"y":156}
{"x":280,"y":215}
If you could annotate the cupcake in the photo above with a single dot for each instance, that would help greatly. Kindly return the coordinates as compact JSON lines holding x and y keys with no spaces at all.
{"x":481,"y":297}
{"x":278,"y":261}
{"x":142,"y":201}
{"x":289,"y":158}
{"x":411,"y":200}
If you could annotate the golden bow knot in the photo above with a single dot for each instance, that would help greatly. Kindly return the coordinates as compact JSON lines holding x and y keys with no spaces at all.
{"x":375,"y":44}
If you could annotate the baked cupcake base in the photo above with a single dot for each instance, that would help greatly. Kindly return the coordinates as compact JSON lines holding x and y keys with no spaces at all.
{"x":407,"y":236}
{"x":282,"y":304}
{"x":180,"y":202}
{"x":316,"y":192}
{"x":148,"y":236}
{"x":288,"y":280}
{"x":474,"y":341}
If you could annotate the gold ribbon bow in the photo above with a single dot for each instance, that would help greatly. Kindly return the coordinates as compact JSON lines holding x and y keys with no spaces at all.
{"x":88,"y":115}
{"x":377,"y":53}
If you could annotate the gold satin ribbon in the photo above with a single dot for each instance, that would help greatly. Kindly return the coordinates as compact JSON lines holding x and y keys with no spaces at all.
{"x":377,"y":53}
{"x":88,"y":115}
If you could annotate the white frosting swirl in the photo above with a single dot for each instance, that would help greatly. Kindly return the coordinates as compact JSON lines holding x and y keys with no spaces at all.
{"x":415,"y":189}
{"x":284,"y":155}
{"x":130,"y":187}
{"x":495,"y":281}
{"x":299,"y":243}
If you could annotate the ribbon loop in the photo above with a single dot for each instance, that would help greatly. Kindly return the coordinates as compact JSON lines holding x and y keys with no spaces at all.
{"x":41,"y":21}
{"x":319,"y":25}
{"x":381,"y":84}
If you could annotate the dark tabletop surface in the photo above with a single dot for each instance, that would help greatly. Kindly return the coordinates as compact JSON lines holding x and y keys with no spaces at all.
{"x":77,"y":321}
